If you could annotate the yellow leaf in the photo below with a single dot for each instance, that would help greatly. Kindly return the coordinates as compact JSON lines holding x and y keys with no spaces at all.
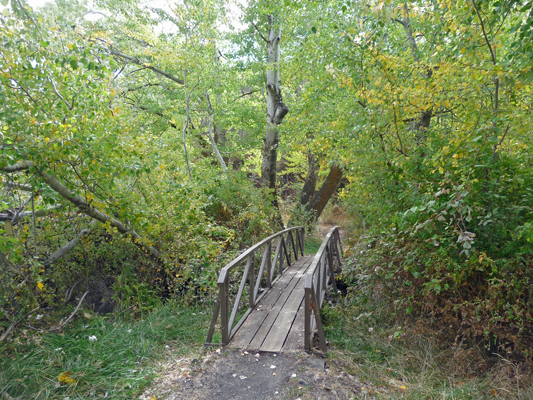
{"x":441,"y":170}
{"x":153,"y":397}
{"x":403,"y":387}
{"x":40,"y":285}
{"x":70,"y":46}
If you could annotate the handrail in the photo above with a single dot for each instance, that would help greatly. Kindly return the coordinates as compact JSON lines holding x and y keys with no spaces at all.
{"x":222,"y":307}
{"x":319,"y":277}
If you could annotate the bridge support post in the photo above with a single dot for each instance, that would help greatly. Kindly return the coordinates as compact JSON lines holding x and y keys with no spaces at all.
{"x":224,"y":306}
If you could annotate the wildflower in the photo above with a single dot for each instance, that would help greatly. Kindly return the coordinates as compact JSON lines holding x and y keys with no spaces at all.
{"x":93,"y":338}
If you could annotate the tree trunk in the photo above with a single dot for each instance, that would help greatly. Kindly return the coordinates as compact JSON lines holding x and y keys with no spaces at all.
{"x":276,"y":109}
{"x":309,"y":187}
{"x":328,"y":188}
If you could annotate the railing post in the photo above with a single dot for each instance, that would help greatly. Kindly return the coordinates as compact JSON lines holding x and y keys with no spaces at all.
{"x":288,"y":252}
{"x":307,"y":321}
{"x":252,"y":281}
{"x":294,"y":249}
{"x":281,"y":254}
{"x":224,"y":305}
{"x":302,"y":240}
{"x":268,"y":265}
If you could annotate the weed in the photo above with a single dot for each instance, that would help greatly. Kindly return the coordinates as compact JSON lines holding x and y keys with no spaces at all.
{"x":410,"y":366}
{"x":104,"y":357}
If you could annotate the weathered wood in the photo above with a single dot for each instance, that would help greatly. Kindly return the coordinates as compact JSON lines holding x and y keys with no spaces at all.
{"x":224,"y":305}
{"x":280,"y":328}
{"x":266,"y":326}
{"x":295,"y":338}
{"x":321,"y":274}
{"x":226,"y":320}
{"x":213,"y":322}
{"x":261,"y":269}
{"x":241,"y":290}
{"x":318,"y":321}
{"x":251,"y":297}
{"x":242,"y":337}
{"x":276,"y":259}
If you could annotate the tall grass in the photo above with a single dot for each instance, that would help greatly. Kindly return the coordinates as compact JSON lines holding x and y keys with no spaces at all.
{"x":99,"y":357}
{"x":399,"y":364}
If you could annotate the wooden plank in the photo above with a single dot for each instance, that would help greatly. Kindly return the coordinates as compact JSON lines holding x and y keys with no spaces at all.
{"x":249,"y":328}
{"x":266,"y":326}
{"x":295,"y":338}
{"x":286,"y":317}
{"x":282,"y":325}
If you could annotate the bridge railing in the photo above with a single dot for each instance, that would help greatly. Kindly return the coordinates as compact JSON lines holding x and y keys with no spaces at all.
{"x":287,"y":243}
{"x":319,"y":277}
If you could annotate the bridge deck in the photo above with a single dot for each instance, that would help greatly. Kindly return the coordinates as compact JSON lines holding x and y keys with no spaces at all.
{"x":277,"y":322}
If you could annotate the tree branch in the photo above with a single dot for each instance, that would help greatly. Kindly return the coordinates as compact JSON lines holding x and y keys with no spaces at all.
{"x":60,"y":96}
{"x":210,"y":133}
{"x":154,"y":69}
{"x":69,"y":246}
{"x":92,"y":212}
{"x":260,"y":34}
{"x":21,"y":166}
{"x":63,"y":324}
{"x":14,"y":324}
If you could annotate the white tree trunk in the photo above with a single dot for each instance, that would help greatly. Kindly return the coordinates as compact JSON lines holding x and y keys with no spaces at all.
{"x":276,"y":109}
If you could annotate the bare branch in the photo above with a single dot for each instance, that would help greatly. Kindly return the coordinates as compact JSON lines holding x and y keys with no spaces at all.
{"x":154,"y":69}
{"x":246,"y":94}
{"x":92,"y":212}
{"x":14,"y":324}
{"x":60,"y":96}
{"x":19,"y":186}
{"x":63,"y":324}
{"x":210,"y":133}
{"x":260,"y":34}
{"x":69,"y":246}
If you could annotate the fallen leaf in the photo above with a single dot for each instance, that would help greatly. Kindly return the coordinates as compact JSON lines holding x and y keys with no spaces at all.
{"x":273,"y":373}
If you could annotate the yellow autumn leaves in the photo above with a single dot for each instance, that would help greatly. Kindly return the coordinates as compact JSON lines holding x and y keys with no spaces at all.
{"x":65,"y":377}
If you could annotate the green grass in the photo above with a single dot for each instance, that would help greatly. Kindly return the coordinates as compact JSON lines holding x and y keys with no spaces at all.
{"x":414,"y":367}
{"x":312,"y":244}
{"x":117,"y":365}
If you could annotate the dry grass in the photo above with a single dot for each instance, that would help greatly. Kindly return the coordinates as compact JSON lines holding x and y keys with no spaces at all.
{"x":410,"y":366}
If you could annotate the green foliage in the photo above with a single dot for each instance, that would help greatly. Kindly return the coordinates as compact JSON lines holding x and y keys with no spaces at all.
{"x":104,"y":357}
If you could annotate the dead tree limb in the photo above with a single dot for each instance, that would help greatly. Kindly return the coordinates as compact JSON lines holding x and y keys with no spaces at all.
{"x":63,"y":324}
{"x":69,"y":246}
{"x":14,"y":324}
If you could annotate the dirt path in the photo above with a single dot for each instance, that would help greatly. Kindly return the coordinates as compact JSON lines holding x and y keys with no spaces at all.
{"x":236,"y":375}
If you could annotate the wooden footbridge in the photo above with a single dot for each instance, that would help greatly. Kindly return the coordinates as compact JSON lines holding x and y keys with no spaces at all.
{"x":276,"y":307}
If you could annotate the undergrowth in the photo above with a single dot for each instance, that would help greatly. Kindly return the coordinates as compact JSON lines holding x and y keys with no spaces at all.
{"x":397,"y":363}
{"x":100,"y":357}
